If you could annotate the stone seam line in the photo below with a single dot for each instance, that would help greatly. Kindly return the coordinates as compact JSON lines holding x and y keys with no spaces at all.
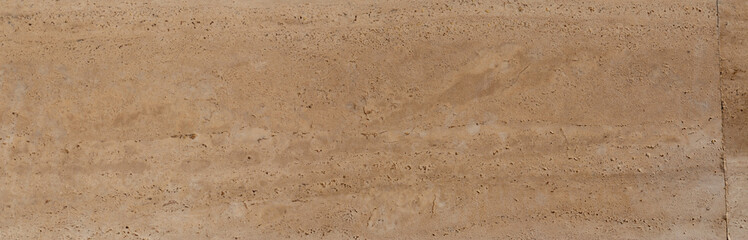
{"x":722,"y":127}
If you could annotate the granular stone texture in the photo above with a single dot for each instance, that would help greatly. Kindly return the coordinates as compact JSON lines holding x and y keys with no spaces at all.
{"x":311,"y":119}
{"x":734,"y":64}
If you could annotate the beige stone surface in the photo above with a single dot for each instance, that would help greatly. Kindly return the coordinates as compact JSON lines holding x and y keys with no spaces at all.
{"x":734,"y":64}
{"x":368,"y":119}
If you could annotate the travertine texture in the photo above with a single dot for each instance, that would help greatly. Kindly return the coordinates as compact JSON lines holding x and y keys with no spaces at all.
{"x":370,"y":119}
{"x":734,"y":64}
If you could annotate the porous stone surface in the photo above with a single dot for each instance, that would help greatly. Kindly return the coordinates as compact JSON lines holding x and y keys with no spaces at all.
{"x":734,"y":64}
{"x":369,"y":119}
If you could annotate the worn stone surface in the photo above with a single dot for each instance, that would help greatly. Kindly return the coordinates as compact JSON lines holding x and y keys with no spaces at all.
{"x":365,"y":119}
{"x":734,"y":64}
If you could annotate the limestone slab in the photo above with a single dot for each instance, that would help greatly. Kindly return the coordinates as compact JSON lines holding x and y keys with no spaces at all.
{"x":362,"y":120}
